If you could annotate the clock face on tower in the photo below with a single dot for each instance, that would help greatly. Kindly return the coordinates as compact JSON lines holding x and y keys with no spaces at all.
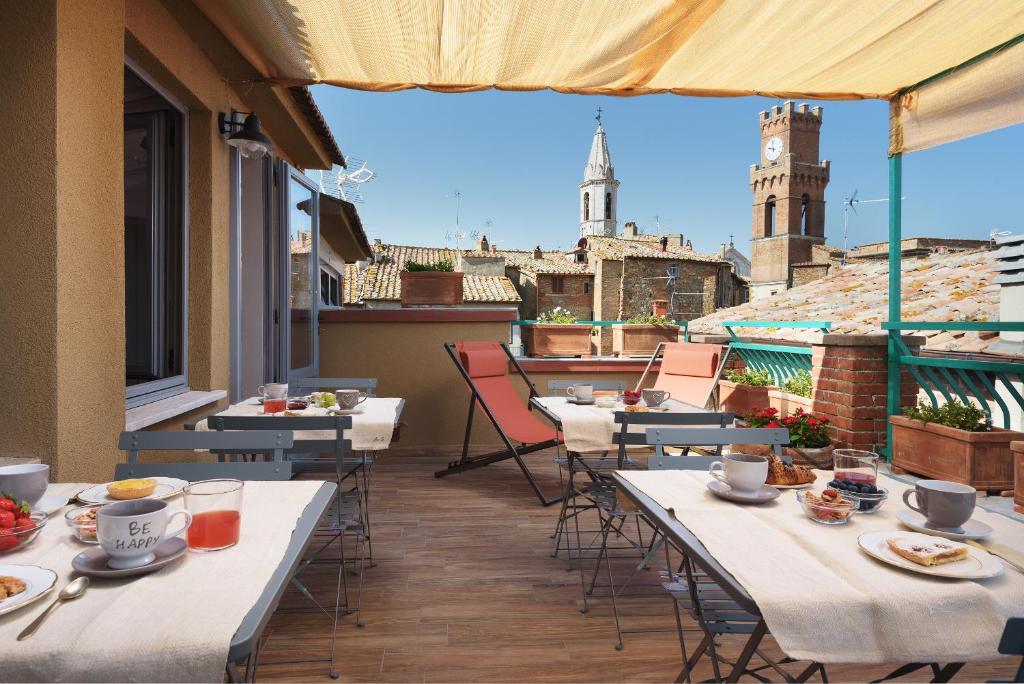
{"x":773,"y":149}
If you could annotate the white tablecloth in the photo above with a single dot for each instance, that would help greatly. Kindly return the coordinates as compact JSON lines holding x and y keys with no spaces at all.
{"x":373,"y":422}
{"x":590,"y":428}
{"x":826,"y":600}
{"x":174,"y":625}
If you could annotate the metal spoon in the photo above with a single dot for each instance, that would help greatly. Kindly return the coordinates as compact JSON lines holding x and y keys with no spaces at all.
{"x":71,"y":591}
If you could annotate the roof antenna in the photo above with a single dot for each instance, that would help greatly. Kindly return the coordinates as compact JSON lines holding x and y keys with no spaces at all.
{"x":598,"y":117}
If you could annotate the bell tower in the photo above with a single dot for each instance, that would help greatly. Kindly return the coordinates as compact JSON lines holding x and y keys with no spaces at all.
{"x":599,"y":190}
{"x":789,"y":196}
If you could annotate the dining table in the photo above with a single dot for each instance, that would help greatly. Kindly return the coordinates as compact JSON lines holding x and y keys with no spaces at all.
{"x":191,"y":621}
{"x":817,"y":592}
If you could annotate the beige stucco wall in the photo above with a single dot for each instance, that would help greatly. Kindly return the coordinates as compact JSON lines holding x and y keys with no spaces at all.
{"x":409,"y":361}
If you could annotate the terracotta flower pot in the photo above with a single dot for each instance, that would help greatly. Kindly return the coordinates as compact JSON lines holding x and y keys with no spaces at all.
{"x":641,"y":340}
{"x":980,"y":459}
{"x":426,"y":288}
{"x":1017,"y":448}
{"x":659,"y":307}
{"x":741,"y":399}
{"x":820,"y":457}
{"x":787,"y":403}
{"x":551,"y":339}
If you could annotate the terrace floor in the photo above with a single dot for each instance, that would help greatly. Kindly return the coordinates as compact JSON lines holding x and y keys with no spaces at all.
{"x":466,"y":590}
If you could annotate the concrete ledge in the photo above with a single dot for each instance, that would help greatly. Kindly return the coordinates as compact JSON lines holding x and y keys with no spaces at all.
{"x":171,"y":407}
{"x":439,"y":315}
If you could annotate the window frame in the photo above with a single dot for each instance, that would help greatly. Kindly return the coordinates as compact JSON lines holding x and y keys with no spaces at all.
{"x":155,"y":390}
{"x":333,"y":275}
{"x":286,"y":372}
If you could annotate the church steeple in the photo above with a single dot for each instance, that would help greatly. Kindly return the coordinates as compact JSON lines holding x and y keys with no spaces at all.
{"x":599,"y":189}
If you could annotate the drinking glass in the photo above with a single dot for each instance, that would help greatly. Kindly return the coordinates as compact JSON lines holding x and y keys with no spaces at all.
{"x":216,"y":508}
{"x":275,"y":397}
{"x":857,"y":466}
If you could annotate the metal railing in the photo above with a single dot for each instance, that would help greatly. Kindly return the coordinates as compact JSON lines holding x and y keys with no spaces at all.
{"x":781,"y":361}
{"x":994,"y":386}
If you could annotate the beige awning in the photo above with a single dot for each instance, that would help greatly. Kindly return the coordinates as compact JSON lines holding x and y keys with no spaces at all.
{"x":824,"y":49}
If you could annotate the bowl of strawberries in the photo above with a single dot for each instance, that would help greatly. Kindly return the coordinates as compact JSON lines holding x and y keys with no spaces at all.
{"x":630,"y":398}
{"x":19,"y":525}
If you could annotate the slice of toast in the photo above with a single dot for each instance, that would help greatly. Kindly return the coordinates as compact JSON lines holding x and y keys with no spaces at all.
{"x":927,"y":550}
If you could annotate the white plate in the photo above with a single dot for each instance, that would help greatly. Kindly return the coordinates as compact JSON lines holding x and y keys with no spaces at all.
{"x":978,"y":564}
{"x":796,"y":486}
{"x":51,"y":503}
{"x":972,"y":529}
{"x":762,"y":495}
{"x":39,"y":581}
{"x":166,"y":487}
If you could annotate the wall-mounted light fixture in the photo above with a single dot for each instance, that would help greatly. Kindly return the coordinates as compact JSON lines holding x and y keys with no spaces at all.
{"x":247,"y":136}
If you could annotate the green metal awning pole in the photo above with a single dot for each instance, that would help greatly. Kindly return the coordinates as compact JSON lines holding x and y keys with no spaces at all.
{"x":895,"y":287}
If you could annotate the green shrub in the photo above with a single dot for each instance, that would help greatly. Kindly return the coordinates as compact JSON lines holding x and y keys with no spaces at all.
{"x":443,"y":266}
{"x":558,"y":316}
{"x":748,"y":376}
{"x":799,"y":384}
{"x":661,"y":321}
{"x":951,"y":414}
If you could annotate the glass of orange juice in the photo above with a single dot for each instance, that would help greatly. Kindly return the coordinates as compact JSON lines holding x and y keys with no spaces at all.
{"x":216,"y":508}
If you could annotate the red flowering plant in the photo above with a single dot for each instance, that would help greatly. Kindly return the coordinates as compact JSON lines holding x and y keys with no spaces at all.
{"x":806,"y":431}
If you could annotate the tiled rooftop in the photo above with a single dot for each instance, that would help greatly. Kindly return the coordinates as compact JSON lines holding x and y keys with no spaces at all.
{"x":647,"y":246}
{"x":381,"y":281}
{"x":939,"y":287}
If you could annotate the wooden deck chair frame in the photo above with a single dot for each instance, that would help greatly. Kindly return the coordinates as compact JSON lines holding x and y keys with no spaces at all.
{"x":467,"y":462}
{"x":714,"y":385}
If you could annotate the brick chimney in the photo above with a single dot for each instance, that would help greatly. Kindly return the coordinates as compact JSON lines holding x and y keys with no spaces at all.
{"x":1010,"y":268}
{"x":482,"y":245}
{"x":630,"y":231}
{"x":676,"y":240}
{"x":537,"y":254}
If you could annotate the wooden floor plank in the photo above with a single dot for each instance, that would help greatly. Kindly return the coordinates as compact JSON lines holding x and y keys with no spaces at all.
{"x":465,"y":590}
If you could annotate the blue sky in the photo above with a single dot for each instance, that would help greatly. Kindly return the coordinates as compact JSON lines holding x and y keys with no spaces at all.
{"x":517,"y":159}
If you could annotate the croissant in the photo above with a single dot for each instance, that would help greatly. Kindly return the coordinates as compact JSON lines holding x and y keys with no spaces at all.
{"x":780,"y":473}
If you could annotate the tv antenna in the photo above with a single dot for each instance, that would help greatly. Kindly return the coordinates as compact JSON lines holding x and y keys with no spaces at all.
{"x":850,"y":204}
{"x":346,"y":184}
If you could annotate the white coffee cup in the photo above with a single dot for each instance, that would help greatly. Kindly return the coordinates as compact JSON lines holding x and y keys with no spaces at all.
{"x":742,"y":472}
{"x":581,"y":392}
{"x":349,"y":398}
{"x":129,"y":531}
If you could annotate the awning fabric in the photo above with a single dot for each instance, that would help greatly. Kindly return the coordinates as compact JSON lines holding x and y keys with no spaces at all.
{"x":822,"y":49}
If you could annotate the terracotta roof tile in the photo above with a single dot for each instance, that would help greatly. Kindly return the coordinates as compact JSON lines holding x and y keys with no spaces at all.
{"x":939,"y":287}
{"x":645,"y":246}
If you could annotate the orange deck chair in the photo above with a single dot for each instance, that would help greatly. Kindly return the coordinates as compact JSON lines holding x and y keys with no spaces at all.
{"x":689,"y":371}
{"x":484,"y":367}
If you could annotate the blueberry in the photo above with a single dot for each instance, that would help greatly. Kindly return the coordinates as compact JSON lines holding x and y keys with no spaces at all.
{"x":870,"y":489}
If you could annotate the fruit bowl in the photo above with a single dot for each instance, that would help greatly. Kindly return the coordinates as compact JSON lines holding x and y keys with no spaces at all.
{"x":15,"y":538}
{"x":837,"y":512}
{"x":82,"y":521}
{"x":866,"y":502}
{"x":630,"y":398}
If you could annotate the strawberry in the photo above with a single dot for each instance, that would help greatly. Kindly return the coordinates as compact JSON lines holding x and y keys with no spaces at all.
{"x":7,"y":503}
{"x":7,"y":519}
{"x":7,"y":540}
{"x":25,"y":524}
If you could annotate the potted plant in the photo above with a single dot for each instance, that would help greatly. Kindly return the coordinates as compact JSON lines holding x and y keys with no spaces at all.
{"x":795,"y":393}
{"x":809,"y":442}
{"x":431,"y":284}
{"x":740,"y":391}
{"x":640,"y":335}
{"x":556,"y":333}
{"x":955,"y":442}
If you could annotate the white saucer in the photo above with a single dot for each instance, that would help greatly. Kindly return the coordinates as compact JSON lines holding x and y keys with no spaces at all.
{"x":805,"y":485}
{"x":38,"y":581}
{"x":762,"y":495}
{"x":972,"y":529}
{"x":93,"y":562}
{"x":51,"y":503}
{"x":978,"y":564}
{"x":581,"y":402}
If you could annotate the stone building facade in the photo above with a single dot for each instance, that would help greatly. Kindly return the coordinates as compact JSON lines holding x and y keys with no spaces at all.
{"x":789,"y":196}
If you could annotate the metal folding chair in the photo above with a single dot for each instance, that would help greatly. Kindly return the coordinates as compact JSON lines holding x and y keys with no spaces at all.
{"x":484,"y":367}
{"x":346,"y":520}
{"x":1012,"y":643}
{"x":270,"y":442}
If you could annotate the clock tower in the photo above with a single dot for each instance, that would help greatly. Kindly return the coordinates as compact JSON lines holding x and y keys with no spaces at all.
{"x":789,"y":196}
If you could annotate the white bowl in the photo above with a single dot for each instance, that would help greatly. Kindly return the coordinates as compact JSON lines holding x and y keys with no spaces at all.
{"x":27,"y":481}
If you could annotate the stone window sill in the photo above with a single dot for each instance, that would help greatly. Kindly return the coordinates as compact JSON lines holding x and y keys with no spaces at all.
{"x":150,"y":414}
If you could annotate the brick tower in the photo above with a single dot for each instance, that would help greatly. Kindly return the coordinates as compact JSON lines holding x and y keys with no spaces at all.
{"x":789,"y":196}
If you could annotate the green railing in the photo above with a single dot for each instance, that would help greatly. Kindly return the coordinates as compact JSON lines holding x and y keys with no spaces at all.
{"x":781,"y":361}
{"x":992,"y":385}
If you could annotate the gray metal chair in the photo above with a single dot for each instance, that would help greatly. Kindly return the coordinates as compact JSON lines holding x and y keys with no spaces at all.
{"x":1012,"y":643}
{"x":270,"y":442}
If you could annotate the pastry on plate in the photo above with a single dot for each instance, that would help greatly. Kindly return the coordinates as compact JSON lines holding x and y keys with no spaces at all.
{"x":925,"y":549}
{"x":780,"y":473}
{"x":10,"y":586}
{"x":131,"y":489}
{"x":636,"y":408}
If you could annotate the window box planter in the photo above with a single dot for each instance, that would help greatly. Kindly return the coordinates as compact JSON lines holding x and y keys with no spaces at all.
{"x":982,"y":460}
{"x":787,"y":403}
{"x":431,"y":288}
{"x":1017,"y":449}
{"x":554,"y":339}
{"x":641,"y":340}
{"x":740,"y":399}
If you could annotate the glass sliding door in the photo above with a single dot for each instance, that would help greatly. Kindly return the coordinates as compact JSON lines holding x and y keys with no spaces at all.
{"x":301,"y":213}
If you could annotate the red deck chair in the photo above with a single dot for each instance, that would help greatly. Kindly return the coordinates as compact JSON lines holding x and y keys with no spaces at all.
{"x":484,"y":367}
{"x":689,"y":371}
